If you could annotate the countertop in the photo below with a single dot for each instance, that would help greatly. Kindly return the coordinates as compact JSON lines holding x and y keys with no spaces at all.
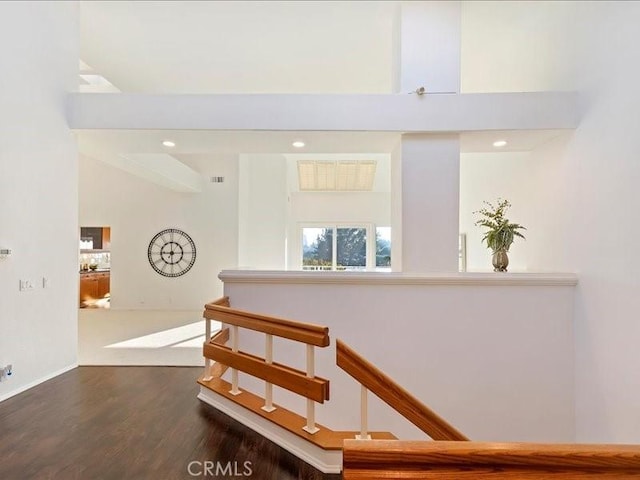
{"x":97,"y":270}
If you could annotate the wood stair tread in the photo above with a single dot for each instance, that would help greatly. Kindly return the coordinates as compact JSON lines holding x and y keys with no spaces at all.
{"x":326,"y":438}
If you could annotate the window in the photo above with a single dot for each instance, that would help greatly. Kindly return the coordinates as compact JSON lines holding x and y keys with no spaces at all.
{"x":346,"y":247}
{"x":317,"y":249}
{"x":383,"y":248}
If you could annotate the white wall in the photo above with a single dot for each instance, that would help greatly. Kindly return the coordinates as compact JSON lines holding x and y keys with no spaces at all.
{"x":602,"y":171}
{"x":518,"y":46}
{"x":496,"y":361}
{"x":240,"y":47}
{"x":430,"y":46}
{"x":528,"y":180}
{"x":262,"y":197}
{"x":136,"y":210}
{"x":548,"y":208}
{"x":38,"y":190}
{"x":588,"y":198}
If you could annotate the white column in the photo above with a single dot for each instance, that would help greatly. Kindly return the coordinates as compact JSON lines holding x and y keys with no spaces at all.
{"x":263,"y":208}
{"x":310,"y":427}
{"x":430,"y":202}
{"x":234,"y":372}
{"x":268,"y":387}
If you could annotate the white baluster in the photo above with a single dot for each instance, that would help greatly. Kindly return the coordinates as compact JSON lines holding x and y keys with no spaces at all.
{"x":310,"y":427}
{"x":364,"y":414}
{"x":234,"y":372}
{"x":207,"y":361}
{"x":268,"y":387}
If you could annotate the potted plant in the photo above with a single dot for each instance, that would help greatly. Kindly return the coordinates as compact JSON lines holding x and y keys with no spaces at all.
{"x":501,"y":232}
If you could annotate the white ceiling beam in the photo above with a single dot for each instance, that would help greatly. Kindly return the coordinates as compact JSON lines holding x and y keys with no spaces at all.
{"x":384,"y":112}
{"x":159,"y":168}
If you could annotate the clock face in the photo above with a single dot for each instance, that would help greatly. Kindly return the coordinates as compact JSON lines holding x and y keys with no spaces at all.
{"x":172,"y":253}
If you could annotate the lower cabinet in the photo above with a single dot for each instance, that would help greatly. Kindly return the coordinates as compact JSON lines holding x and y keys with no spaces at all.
{"x":103,"y":284}
{"x":94,"y":286}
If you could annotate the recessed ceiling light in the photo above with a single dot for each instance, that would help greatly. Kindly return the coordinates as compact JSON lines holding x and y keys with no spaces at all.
{"x":499,"y":143}
{"x":298,"y":144}
{"x":169,"y":143}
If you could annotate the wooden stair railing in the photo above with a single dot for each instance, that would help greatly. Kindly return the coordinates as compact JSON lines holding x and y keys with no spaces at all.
{"x":451,"y":457}
{"x":304,"y":383}
{"x":296,"y":381}
{"x":373,"y":379}
{"x":301,"y":332}
{"x":208,"y":365}
{"x":427,"y":460}
{"x":217,"y":370}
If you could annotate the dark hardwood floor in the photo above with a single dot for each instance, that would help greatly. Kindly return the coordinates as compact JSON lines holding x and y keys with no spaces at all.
{"x":121,"y":423}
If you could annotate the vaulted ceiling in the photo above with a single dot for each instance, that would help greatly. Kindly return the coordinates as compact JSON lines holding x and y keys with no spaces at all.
{"x":229,"y":46}
{"x":303,"y":47}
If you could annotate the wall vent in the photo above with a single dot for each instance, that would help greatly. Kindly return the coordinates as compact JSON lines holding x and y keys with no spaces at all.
{"x":217,"y":179}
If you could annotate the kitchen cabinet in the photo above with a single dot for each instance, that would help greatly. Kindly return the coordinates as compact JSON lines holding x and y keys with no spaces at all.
{"x":99,"y":236}
{"x":103,"y":284}
{"x":94,"y":234}
{"x":106,"y":238}
{"x":94,"y":286}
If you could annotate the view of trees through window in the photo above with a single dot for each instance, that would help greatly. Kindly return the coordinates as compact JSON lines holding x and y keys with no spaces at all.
{"x":349,"y":245}
{"x":383,"y":247}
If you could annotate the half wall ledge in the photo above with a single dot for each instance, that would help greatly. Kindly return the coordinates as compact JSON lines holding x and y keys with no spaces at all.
{"x":388,"y":278}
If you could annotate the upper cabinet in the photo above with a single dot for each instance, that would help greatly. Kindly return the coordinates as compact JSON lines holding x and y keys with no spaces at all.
{"x":95,"y":238}
{"x":106,"y":238}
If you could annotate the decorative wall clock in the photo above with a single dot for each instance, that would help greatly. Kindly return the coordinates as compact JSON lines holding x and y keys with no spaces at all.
{"x":172,"y":253}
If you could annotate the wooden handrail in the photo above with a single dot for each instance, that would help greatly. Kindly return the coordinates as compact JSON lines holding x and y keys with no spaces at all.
{"x":296,"y":381}
{"x":394,"y":395}
{"x":301,"y":332}
{"x":221,"y":338}
{"x":222,"y":301}
{"x":384,"y":459}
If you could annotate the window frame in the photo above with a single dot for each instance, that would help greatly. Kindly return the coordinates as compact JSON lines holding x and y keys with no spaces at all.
{"x":370,"y":229}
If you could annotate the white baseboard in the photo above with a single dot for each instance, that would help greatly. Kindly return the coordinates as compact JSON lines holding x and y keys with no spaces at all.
{"x":37,"y":382}
{"x":327,"y":461}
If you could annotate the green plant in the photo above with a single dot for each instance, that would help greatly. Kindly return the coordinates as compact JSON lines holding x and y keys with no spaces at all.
{"x":501,"y":233}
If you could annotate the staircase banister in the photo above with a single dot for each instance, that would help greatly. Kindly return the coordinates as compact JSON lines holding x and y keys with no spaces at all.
{"x":308,"y":333}
{"x":447,"y":460}
{"x":289,"y":378}
{"x":222,"y":301}
{"x":394,"y":395}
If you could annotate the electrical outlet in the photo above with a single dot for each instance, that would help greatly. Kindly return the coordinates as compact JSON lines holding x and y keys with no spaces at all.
{"x":26,"y":285}
{"x":6,"y":372}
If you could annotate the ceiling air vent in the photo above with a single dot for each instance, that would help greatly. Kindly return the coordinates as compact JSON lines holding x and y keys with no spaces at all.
{"x":217,"y":179}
